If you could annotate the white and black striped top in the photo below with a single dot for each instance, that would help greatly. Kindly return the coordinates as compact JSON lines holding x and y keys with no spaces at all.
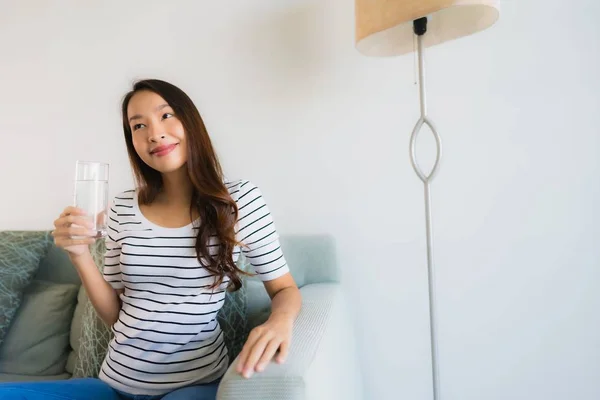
{"x":167,"y":335}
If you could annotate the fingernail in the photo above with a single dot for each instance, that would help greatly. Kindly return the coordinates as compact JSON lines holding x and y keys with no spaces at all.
{"x":247,"y":374}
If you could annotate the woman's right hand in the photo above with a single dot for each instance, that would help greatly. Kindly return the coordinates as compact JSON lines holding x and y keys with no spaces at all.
{"x":73,"y":222}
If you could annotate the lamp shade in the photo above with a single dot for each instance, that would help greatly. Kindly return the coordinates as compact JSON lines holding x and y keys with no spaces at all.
{"x":385,"y":27}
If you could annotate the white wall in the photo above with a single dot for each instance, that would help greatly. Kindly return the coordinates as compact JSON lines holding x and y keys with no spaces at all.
{"x":324,"y":131}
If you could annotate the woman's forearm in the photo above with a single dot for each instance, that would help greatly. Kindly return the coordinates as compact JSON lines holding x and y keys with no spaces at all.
{"x":286,"y":304}
{"x":103,"y":297}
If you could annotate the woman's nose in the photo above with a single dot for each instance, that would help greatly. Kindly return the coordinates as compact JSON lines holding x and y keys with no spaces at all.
{"x":155,"y":134}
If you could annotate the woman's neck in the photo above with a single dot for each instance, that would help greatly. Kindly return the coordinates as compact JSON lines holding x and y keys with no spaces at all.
{"x":177,"y":188}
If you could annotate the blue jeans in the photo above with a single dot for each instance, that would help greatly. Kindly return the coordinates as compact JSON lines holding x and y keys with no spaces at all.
{"x":95,"y":389}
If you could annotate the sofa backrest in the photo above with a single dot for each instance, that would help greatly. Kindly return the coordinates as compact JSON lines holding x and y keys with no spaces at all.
{"x":311,"y":259}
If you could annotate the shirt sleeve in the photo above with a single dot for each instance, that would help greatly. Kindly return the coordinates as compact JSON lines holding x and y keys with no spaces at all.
{"x":257,"y":234}
{"x":112,"y":256}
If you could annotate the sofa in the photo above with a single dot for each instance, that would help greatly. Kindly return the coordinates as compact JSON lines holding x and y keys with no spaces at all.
{"x":54,"y":333}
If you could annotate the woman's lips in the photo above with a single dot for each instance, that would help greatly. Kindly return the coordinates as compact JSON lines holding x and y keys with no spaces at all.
{"x":162,"y":151}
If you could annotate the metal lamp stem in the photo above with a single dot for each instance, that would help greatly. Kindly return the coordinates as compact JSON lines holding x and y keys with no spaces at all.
{"x":420,"y":27}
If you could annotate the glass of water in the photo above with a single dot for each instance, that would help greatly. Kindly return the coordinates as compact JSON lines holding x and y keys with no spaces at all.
{"x":91,"y":193}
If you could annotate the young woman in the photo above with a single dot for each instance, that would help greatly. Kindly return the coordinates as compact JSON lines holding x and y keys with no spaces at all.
{"x":170,"y":256}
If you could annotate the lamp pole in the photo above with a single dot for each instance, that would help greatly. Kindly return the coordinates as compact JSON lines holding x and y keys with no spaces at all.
{"x":420,"y":28}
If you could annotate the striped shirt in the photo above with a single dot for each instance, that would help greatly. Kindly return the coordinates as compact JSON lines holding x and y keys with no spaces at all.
{"x":167,"y":335}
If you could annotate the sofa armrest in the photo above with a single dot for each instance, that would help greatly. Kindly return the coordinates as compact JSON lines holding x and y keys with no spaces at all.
{"x":322,"y":361}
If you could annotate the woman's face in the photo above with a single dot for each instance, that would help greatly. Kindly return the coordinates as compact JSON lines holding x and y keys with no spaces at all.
{"x":158,"y":135}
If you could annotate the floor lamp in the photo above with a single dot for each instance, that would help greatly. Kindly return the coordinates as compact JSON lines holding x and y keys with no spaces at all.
{"x":390,"y":28}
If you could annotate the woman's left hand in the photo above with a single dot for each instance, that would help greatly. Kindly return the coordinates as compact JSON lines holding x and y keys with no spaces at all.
{"x":262,"y":344}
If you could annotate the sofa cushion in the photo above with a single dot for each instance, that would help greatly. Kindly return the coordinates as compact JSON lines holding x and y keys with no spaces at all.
{"x":20,"y":254}
{"x":37,"y":342}
{"x":56,"y":266}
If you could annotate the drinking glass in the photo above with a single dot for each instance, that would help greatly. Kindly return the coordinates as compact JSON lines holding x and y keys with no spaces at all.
{"x":91,"y":193}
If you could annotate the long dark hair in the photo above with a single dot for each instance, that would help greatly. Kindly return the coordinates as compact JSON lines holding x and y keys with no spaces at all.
{"x":217,"y":210}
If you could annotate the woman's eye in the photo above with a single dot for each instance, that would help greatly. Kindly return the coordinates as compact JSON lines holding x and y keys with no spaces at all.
{"x":167,"y":115}
{"x":138,"y":126}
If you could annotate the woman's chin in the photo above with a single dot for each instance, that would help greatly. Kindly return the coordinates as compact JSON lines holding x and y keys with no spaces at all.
{"x":167,"y":167}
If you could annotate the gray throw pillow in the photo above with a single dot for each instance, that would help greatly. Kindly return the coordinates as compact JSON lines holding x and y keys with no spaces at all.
{"x":76,"y":330}
{"x":20,"y":254}
{"x":233,"y":317}
{"x":37,"y":342}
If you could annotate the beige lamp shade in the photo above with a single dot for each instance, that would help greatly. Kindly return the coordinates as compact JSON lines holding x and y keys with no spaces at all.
{"x":385,"y":27}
